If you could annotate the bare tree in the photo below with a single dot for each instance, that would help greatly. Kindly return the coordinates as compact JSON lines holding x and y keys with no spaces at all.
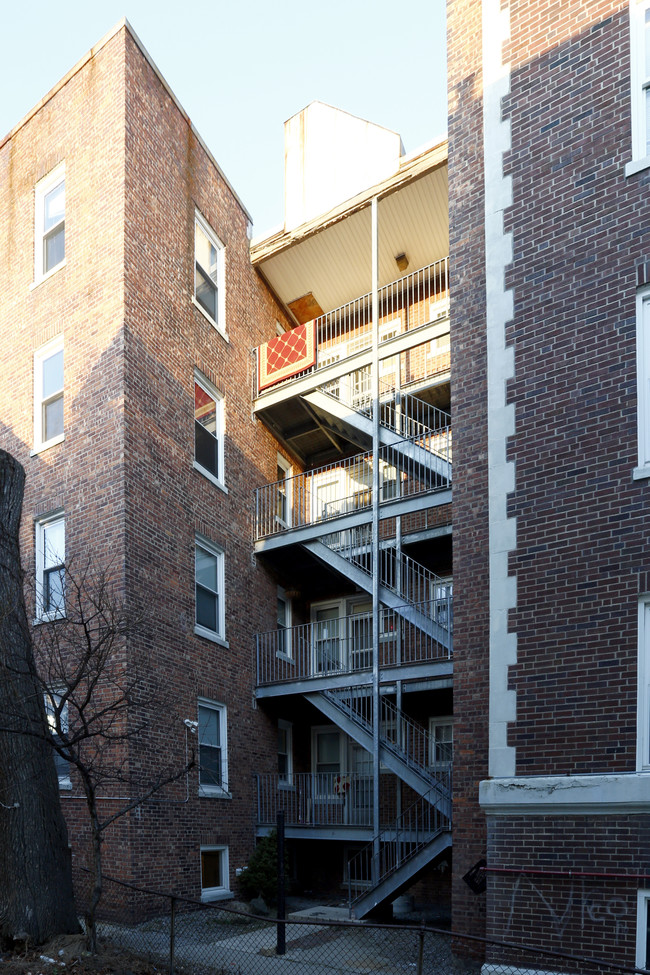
{"x":36,"y":896}
{"x":101,"y":701}
{"x":84,"y":695}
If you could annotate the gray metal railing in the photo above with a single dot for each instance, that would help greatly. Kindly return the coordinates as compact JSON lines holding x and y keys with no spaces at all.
{"x":345,"y":645}
{"x":395,"y":845}
{"x":405,"y":305}
{"x":400,"y":573}
{"x":406,"y":739}
{"x":414,"y":466}
{"x":315,"y":798}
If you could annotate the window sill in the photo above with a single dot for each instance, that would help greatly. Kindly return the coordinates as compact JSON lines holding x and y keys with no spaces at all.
{"x":211,"y":636}
{"x":46,"y":277}
{"x":641,"y":473}
{"x":637,"y":166}
{"x":39,"y":448}
{"x":213,"y":792}
{"x":48,"y":618}
{"x":284,"y":656}
{"x":286,"y":787}
{"x":222,"y":332}
{"x":216,"y":895}
{"x":210,"y":477}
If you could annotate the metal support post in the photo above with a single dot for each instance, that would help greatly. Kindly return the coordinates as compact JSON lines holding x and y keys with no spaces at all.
{"x":281,"y":935}
{"x":376,"y":569}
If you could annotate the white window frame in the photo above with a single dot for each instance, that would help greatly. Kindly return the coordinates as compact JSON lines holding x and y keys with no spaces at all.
{"x":51,"y":348}
{"x":286,"y":653}
{"x":222,"y":892}
{"x":43,"y":187}
{"x":642,"y":924}
{"x":52,"y":701}
{"x":208,"y":789}
{"x":213,"y":393}
{"x":287,"y":781}
{"x":643,"y":381}
{"x":41,"y":527}
{"x":643,"y":688}
{"x":218,"y":635}
{"x":640,"y":84}
{"x":285,"y":466}
{"x":220,"y":322}
{"x":440,"y":721}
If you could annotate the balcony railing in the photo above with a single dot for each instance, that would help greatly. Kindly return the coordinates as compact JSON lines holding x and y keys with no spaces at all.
{"x":405,"y":305}
{"x":415,"y":466}
{"x":315,"y":799}
{"x":331,"y":799}
{"x":345,"y":646}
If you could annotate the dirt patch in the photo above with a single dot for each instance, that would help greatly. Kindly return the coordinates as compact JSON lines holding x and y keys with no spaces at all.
{"x":67,"y":955}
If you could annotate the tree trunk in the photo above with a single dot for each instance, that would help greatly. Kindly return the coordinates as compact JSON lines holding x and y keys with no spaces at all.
{"x":36,"y":897}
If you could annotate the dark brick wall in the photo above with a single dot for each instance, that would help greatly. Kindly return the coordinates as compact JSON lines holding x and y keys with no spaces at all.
{"x":580,"y":522}
{"x":468,"y":408}
{"x":594,"y":916}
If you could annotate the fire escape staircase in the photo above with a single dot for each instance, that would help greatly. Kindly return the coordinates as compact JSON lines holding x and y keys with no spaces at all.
{"x":402,"y":581}
{"x":414,"y":437}
{"x":412,"y":432}
{"x":395,"y":856}
{"x":403,"y":745}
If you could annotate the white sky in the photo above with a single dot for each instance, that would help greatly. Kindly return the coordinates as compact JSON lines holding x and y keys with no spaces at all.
{"x":241,"y":68}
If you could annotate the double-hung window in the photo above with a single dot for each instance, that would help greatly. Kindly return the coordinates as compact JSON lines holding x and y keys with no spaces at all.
{"x":209,"y":585}
{"x":56,"y":711}
{"x":209,"y":273}
{"x":50,"y":567}
{"x":285,"y":752}
{"x":48,"y":394}
{"x":208,"y":430}
{"x":284,"y":624}
{"x":49,"y":224}
{"x":213,"y":749}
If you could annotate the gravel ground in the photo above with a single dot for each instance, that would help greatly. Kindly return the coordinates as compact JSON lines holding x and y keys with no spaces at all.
{"x":215,"y":940}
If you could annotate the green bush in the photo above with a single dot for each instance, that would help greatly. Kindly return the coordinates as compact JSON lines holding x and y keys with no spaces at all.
{"x":260,"y":879}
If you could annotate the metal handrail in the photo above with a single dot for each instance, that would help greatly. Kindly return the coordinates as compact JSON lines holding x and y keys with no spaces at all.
{"x":408,"y":741}
{"x":316,"y":798}
{"x":395,"y":845}
{"x":415,"y":465}
{"x":345,"y":645}
{"x":406,"y":304}
{"x":398,"y":572}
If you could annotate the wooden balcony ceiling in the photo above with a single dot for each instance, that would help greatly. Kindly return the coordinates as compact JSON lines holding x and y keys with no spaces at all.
{"x":330,"y":257}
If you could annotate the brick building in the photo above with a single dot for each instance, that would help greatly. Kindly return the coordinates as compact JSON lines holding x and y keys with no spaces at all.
{"x":548,"y":176}
{"x":157,"y":367}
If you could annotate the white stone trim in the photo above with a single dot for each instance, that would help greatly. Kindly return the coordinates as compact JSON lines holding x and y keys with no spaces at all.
{"x":500,"y":367}
{"x":566,"y":795}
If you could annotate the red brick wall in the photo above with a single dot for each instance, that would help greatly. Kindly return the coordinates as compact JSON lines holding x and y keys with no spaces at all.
{"x":587,"y":915}
{"x":580,"y":527}
{"x":168,"y":175}
{"x":124,"y":475}
{"x":468,"y":371}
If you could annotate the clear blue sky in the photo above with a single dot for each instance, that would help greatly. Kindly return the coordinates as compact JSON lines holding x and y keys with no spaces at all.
{"x":240,"y":69}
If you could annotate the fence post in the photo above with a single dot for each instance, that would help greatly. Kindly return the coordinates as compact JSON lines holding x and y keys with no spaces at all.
{"x":281,"y":935}
{"x":172,"y":936}
{"x":421,"y":950}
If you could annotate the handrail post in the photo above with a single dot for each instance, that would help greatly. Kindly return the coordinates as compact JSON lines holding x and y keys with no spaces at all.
{"x":281,"y":945}
{"x":172,"y":935}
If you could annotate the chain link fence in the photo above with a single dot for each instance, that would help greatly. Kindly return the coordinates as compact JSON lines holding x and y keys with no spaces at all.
{"x":180,"y":936}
